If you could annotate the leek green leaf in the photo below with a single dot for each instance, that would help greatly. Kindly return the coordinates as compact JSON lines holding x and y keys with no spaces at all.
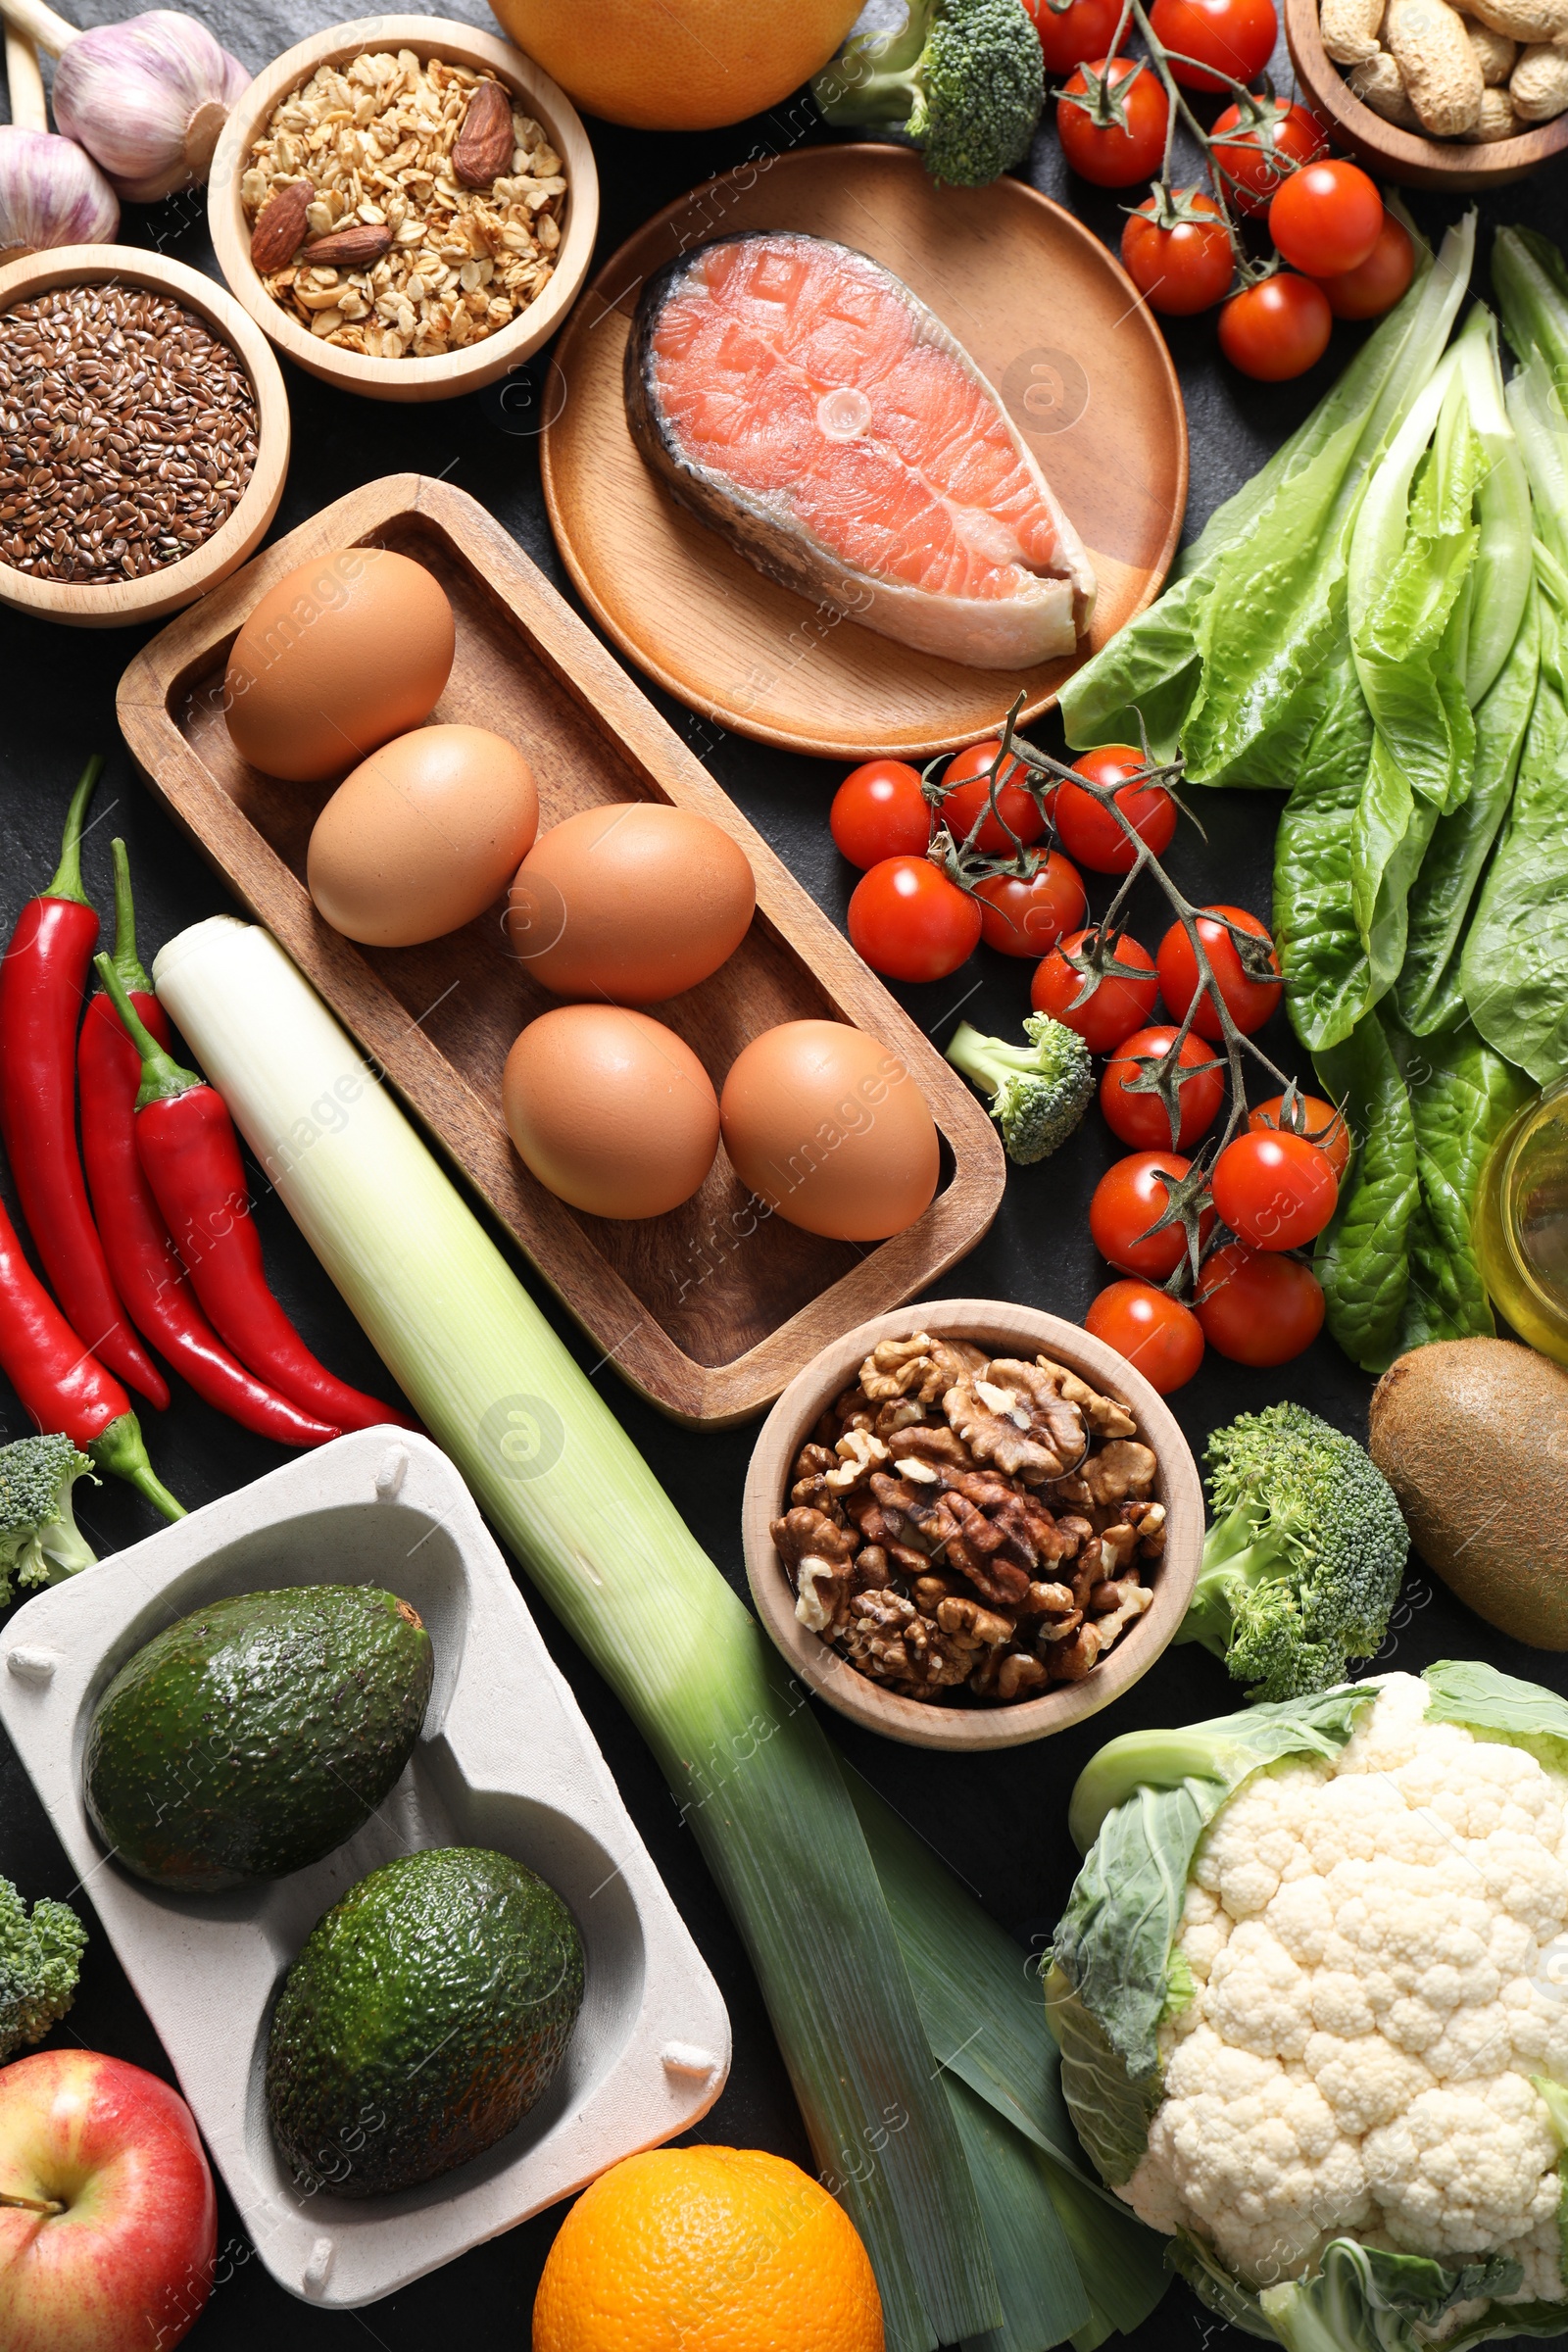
{"x":1042,"y":2296}
{"x":1122,"y":2264}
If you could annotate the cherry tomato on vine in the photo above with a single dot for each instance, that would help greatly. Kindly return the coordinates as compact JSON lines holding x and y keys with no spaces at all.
{"x":1113,"y":154}
{"x":966,"y":791}
{"x":1131,"y":1197}
{"x":910,"y":922}
{"x":1325,"y":218}
{"x":1269,"y":137}
{"x":1278,"y":329}
{"x":1185,"y":267}
{"x":1071,"y":35}
{"x":1233,"y":39}
{"x":1275,"y":1191}
{"x":1157,"y":1334}
{"x":1376,"y":284}
{"x":1117,"y":1005}
{"x":880,"y":811}
{"x":1089,"y":832}
{"x":1248,"y":1002}
{"x":1027,"y":919}
{"x":1257,"y":1308}
{"x":1141,"y":1119}
{"x":1313,"y":1117}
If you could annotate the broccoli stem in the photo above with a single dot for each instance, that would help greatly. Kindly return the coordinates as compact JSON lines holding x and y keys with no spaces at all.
{"x":1237,"y":1555}
{"x":876,"y":79}
{"x":988,"y":1061}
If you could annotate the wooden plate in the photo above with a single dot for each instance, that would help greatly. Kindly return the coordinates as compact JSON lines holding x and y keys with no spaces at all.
{"x":709,"y":1311}
{"x":1049,"y":319}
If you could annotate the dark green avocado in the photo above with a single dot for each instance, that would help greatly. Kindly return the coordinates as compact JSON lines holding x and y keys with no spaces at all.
{"x":254,"y":1737}
{"x":427,"y":2013}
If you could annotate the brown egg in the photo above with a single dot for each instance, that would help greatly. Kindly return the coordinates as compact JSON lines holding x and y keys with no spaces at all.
{"x":634,"y":901}
{"x":827,"y":1125}
{"x":422,"y":836}
{"x":611,"y":1111}
{"x":341,"y":656}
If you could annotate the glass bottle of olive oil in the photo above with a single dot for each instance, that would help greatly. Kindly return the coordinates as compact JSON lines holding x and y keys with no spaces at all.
{"x":1520,"y":1224}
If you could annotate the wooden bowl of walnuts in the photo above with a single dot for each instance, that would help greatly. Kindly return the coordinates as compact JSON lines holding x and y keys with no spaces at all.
{"x":1397,"y":151}
{"x":968,"y":1525}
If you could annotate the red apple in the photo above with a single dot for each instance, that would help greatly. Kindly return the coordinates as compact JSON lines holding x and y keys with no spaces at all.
{"x":124,"y":2263}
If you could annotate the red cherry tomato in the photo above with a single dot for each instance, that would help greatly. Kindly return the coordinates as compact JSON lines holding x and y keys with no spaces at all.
{"x":1130,"y":1198}
{"x":966,"y":793}
{"x":1326,"y":218}
{"x":1248,"y":1002}
{"x":1141,"y":1119}
{"x":1114,"y":154}
{"x":1156,"y":1334}
{"x":1275,"y":1191}
{"x":1317,"y":1120}
{"x":1118,"y":1004}
{"x":1273,"y":136}
{"x":910,"y":922}
{"x":1027,"y":919}
{"x":878,"y":811}
{"x":1180,"y":269}
{"x":1089,"y":834}
{"x":1376,"y":284}
{"x":1071,"y":35}
{"x":1257,"y":1308}
{"x":1278,"y":329}
{"x":1234,"y":39}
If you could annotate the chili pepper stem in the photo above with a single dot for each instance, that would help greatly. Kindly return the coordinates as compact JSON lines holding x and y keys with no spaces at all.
{"x":66,"y":883}
{"x":119,"y":1449}
{"x":127,"y":964}
{"x":162,"y":1078}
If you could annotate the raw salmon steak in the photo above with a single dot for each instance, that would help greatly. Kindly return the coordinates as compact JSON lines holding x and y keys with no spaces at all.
{"x":800,"y":399}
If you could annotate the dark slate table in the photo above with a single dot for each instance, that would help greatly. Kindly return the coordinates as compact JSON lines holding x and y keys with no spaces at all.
{"x":998,"y":1821}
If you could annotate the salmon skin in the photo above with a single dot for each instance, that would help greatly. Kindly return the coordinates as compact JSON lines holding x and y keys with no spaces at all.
{"x":799,"y":398}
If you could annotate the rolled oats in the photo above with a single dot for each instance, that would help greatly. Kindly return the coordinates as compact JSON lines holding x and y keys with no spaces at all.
{"x":374,"y":138}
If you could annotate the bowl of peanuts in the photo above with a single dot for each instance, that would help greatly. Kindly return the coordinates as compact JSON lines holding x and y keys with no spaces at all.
{"x":1430,"y":95}
{"x":406,"y":206}
{"x":968,"y":1525}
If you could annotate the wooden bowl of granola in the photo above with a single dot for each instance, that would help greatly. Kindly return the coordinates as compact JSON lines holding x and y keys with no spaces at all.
{"x":1064,"y":1531}
{"x":443,"y":261}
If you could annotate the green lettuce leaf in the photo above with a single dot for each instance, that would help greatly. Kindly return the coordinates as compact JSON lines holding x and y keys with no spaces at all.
{"x":1462,"y":1095}
{"x":1323,"y":957}
{"x":1362,"y":1259}
{"x":1429,"y":994}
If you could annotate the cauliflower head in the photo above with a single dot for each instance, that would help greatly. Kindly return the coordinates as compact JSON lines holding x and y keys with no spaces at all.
{"x":1362,"y":2033}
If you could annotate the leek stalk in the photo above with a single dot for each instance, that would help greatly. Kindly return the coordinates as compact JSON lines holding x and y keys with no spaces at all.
{"x":755,"y":1778}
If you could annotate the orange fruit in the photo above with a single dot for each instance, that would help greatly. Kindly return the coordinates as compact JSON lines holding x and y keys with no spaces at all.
{"x":687,"y":65}
{"x":707,"y":2250}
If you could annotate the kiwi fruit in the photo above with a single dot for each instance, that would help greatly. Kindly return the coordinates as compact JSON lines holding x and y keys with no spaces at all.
{"x":1472,"y":1435}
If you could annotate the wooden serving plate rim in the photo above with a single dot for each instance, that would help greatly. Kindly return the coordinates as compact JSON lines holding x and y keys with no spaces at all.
{"x":456,"y":372}
{"x":1409,"y":154}
{"x":123,"y":603}
{"x":644,"y":1353}
{"x":581,"y":324}
{"x":1023,"y":1331}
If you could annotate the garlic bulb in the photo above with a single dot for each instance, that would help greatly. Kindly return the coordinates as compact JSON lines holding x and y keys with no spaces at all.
{"x":51,"y":193}
{"x":146,"y":97}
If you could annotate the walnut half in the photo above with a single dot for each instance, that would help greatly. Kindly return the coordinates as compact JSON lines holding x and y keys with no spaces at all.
{"x":1015,"y":1416}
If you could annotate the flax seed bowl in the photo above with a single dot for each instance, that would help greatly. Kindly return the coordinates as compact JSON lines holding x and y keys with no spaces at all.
{"x":451,"y":232}
{"x":144,"y":435}
{"x":1010,"y":1554}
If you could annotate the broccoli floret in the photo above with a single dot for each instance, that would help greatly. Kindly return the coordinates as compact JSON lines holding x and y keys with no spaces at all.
{"x":963,"y":78}
{"x":40,"y":1959}
{"x":1304,"y":1558}
{"x":40,"y":1541}
{"x":1037,"y":1092}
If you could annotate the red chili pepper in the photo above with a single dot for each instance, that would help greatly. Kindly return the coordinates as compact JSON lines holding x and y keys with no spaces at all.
{"x":43,"y":982}
{"x":61,"y":1384}
{"x":190,"y":1155}
{"x":141,"y":1252}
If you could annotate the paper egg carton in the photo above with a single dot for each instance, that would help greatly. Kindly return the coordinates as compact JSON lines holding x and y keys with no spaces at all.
{"x":503,"y":1760}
